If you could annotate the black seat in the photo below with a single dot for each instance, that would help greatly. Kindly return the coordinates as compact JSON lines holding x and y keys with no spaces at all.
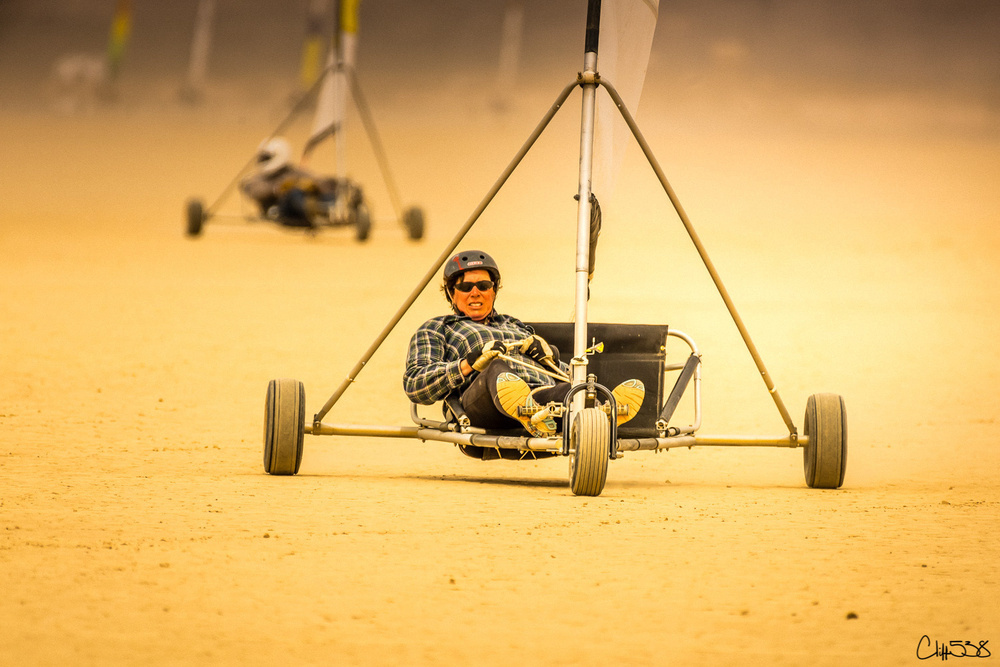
{"x":630,"y":351}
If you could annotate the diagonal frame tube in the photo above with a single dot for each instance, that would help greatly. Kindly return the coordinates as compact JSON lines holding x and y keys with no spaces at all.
{"x":723,"y":292}
{"x":443,"y":257}
{"x":361,"y":104}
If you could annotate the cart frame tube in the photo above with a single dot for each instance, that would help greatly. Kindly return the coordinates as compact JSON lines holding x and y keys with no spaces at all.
{"x":589,"y":81}
{"x":723,"y":292}
{"x":446,"y":254}
{"x":524,"y":443}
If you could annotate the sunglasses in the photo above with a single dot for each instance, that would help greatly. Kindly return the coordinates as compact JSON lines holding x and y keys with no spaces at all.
{"x":481,"y":285}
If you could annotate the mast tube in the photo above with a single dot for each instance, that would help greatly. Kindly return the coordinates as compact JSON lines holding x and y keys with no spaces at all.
{"x":588,"y":80}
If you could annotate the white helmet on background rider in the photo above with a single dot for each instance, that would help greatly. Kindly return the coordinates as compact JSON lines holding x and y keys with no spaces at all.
{"x":273,"y":154}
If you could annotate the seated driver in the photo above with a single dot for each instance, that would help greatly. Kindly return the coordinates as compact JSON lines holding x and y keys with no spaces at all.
{"x":288,"y":194}
{"x":461,"y":353}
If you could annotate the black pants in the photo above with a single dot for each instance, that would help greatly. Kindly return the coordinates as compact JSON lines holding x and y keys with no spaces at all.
{"x":482,"y":406}
{"x":297,"y":208}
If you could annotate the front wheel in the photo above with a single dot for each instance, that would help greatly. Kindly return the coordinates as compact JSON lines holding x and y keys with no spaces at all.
{"x":825,"y":457}
{"x":284,"y":426}
{"x":589,"y":452}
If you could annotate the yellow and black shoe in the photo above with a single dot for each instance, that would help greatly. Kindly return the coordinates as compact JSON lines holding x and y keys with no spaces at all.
{"x":515,"y":398}
{"x":628,"y":396}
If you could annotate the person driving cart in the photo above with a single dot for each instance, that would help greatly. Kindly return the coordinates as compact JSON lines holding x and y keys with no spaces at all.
{"x":501,"y":370}
{"x":292,"y":195}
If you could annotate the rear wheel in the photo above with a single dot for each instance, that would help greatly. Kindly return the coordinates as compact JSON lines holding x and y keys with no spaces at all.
{"x":413,"y":220}
{"x":362,"y":223}
{"x":284,"y":426}
{"x":195,"y":217}
{"x":590,"y":450}
{"x":825,"y":457}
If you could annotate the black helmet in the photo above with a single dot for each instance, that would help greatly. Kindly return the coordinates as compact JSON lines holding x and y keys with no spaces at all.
{"x":471,"y":259}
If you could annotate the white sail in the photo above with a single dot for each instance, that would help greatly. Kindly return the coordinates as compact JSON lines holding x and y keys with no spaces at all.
{"x":329,"y":105}
{"x":627,"y":28}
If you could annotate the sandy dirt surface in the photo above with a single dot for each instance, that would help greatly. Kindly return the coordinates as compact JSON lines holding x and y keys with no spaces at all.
{"x":137,"y":525}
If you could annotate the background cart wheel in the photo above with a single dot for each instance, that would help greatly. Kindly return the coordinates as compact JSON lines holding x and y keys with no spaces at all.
{"x":284,"y":426}
{"x":590,"y":442}
{"x":825,"y":457}
{"x":195,"y":217}
{"x":362,"y":223}
{"x":413,"y":220}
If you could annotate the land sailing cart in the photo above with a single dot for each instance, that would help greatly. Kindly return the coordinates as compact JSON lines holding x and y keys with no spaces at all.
{"x":603,"y":354}
{"x":334,"y":201}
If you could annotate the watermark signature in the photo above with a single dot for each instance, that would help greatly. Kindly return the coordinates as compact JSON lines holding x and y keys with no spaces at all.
{"x":952,"y":649}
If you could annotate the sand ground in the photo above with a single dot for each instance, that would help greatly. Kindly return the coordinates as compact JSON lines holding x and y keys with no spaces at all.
{"x":137,"y":523}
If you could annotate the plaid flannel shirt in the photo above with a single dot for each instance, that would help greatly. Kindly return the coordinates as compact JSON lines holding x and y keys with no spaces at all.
{"x":439,"y":345}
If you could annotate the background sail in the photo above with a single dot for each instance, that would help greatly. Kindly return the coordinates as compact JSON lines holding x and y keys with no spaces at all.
{"x":194,"y":87}
{"x":511,"y":33}
{"x":349,"y":31}
{"x":314,"y":44}
{"x":331,"y":105}
{"x":627,"y":28}
{"x":121,"y":29}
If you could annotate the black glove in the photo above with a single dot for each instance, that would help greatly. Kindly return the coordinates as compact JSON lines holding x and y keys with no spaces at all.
{"x":555,"y":355}
{"x":481,"y":355}
{"x":535,"y":347}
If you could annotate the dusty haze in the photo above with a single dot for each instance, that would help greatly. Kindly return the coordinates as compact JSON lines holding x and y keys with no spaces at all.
{"x":840,"y":162}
